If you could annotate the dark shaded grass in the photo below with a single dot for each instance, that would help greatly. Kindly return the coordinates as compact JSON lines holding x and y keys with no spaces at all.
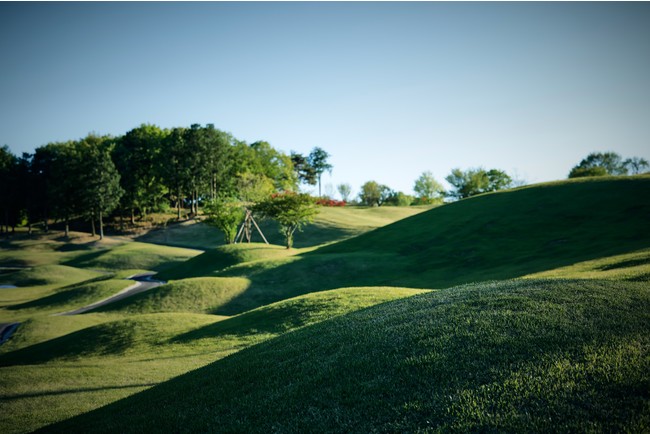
{"x":541,"y":356}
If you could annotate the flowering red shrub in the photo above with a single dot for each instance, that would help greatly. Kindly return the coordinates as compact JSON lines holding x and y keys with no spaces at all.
{"x":330,"y":202}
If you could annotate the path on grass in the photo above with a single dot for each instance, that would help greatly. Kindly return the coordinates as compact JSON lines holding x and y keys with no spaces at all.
{"x":143,"y":282}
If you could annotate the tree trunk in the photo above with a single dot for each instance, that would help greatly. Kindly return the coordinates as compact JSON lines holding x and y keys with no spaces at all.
{"x":133,"y":216}
{"x":121,"y":219}
{"x":29,"y":228}
{"x":67,"y":227}
{"x":92,"y":224}
{"x":101,"y":226}
{"x":319,"y":193}
{"x":178,"y":205}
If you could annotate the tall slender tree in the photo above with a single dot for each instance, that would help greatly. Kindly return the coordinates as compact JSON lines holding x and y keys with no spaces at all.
{"x":318,"y":161}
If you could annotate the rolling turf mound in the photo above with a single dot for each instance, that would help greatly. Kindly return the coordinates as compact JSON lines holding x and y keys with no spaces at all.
{"x":527,"y":355}
{"x":112,"y":338}
{"x":513,"y":233}
{"x":133,"y":255}
{"x":211,"y":262}
{"x":199,"y":295}
{"x":50,"y":275}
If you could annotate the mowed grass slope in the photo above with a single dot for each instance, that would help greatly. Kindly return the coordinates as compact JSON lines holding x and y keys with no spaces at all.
{"x":512,"y":233}
{"x":331,"y":224}
{"x":105,"y":357}
{"x":512,"y":356}
{"x":490,"y":237}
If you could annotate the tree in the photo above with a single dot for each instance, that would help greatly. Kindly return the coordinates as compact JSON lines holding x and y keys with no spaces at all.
{"x":476,"y":181}
{"x":175,"y":169}
{"x":226,"y":214}
{"x":304,"y":171}
{"x":427,"y":189}
{"x":373,"y":193}
{"x":636,"y":165}
{"x":99,"y":179}
{"x":8,"y":166}
{"x":599,"y":164}
{"x":318,"y":161}
{"x":345,"y":190}
{"x":399,"y":199}
{"x":137,"y":156}
{"x":291,"y":210}
{"x":275,"y":165}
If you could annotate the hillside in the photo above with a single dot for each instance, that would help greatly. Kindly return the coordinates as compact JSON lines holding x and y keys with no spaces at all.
{"x":535,"y":355}
{"x":495,"y":236}
{"x":535,"y":317}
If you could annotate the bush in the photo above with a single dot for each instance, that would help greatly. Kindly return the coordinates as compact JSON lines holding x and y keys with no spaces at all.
{"x":330,"y":202}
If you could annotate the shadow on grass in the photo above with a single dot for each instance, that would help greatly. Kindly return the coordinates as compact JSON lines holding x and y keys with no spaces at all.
{"x":75,"y":390}
{"x":275,"y":321}
{"x":103,"y":339}
{"x":63,"y":296}
{"x":507,"y":349}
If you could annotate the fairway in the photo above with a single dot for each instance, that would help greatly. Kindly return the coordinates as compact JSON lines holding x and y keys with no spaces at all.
{"x":521,"y":310}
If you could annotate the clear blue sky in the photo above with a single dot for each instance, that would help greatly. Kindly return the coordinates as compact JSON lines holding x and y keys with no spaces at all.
{"x":388,"y":89}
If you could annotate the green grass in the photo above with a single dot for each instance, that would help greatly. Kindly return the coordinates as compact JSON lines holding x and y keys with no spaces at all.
{"x":533,"y":355}
{"x":133,"y":255}
{"x":331,"y":224}
{"x":74,"y":296}
{"x":198,"y":295}
{"x":564,"y":348}
{"x":633,"y":267}
{"x":211,"y":262}
{"x":93,"y":359}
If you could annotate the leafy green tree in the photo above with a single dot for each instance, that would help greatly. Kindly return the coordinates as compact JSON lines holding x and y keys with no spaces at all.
{"x":374,"y":194}
{"x":304,"y":171}
{"x":254,"y":187}
{"x":318,"y":161}
{"x":398,"y":198}
{"x":476,"y":181}
{"x":427,"y":189}
{"x":291,"y":210}
{"x":62,"y":166}
{"x":226,"y":214}
{"x":345,"y":190}
{"x":137,"y":156}
{"x":599,"y":164}
{"x":636,"y":165}
{"x":275,"y":165}
{"x":174,"y":171}
{"x":498,"y":180}
{"x":99,"y":179}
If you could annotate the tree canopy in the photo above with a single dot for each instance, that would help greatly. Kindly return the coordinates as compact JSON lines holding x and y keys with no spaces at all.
{"x":476,"y":181}
{"x":291,"y":210}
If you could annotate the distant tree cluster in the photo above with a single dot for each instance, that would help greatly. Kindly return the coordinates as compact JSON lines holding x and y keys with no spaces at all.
{"x":428,"y":191}
{"x":608,"y":163}
{"x":147,"y":169}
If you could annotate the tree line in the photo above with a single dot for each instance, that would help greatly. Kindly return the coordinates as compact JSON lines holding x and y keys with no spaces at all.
{"x":146,"y":170}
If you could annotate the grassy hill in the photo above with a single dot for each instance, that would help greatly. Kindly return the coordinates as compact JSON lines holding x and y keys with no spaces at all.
{"x":281,"y":347}
{"x":534,"y":355}
{"x":490,"y":237}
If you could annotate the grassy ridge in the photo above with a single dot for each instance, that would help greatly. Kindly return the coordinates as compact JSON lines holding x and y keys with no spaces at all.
{"x":106,"y":357}
{"x":540,"y":355}
{"x":198,"y":295}
{"x":133,"y":255}
{"x":490,"y":237}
